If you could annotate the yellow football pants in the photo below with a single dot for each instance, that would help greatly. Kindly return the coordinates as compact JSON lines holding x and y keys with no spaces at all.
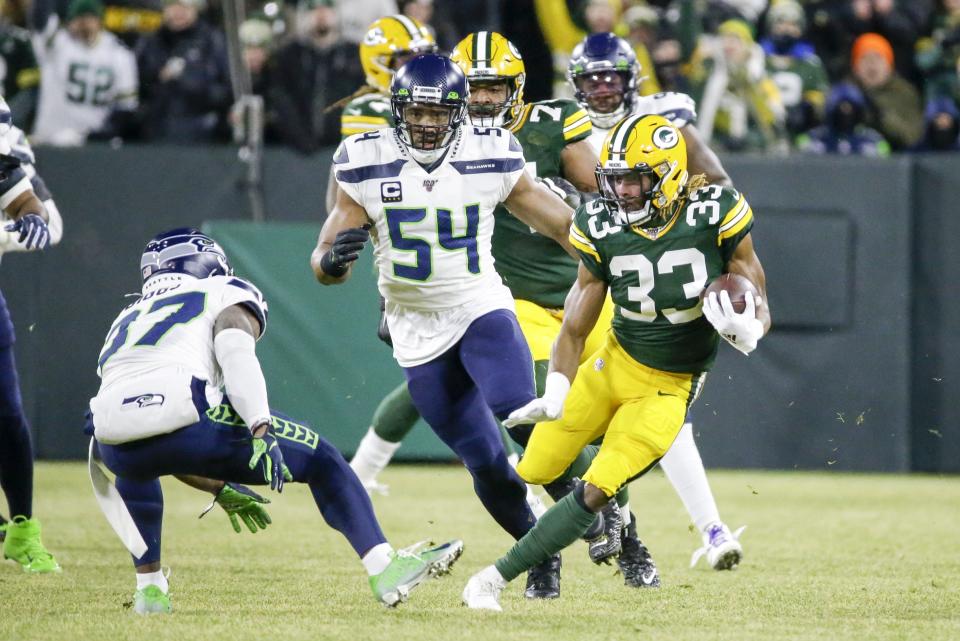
{"x":637,"y":409}
{"x":541,"y":326}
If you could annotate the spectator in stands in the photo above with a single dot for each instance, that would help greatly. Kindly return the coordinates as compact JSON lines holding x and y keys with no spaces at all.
{"x":19,"y":74}
{"x":439,"y":24}
{"x":901,"y":22}
{"x":794,"y":67}
{"x":354,"y":16}
{"x":843,"y":132}
{"x":893,"y":104}
{"x":740,"y":106}
{"x":309,"y":74}
{"x":256,"y":38}
{"x":643,"y":26}
{"x":88,"y":78}
{"x":184,"y":77}
{"x":938,"y":55}
{"x":941,"y":126}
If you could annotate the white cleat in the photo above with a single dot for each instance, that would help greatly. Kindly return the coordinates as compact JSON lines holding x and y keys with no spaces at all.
{"x":721,"y":547}
{"x":482,"y":591}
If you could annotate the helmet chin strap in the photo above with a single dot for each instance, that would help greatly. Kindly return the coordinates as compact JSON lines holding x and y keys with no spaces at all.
{"x":427,"y":157}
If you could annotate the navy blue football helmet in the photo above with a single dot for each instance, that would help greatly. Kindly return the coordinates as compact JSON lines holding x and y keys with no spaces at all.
{"x":604,"y":73}
{"x":184,"y":251}
{"x":429,"y":79}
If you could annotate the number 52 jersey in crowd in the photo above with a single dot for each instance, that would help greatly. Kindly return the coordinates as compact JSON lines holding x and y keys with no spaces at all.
{"x":432,"y":231}
{"x":159,"y":354}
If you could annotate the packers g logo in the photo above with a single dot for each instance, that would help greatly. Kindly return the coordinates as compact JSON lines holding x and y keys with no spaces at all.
{"x":374,"y":37}
{"x":665,"y":137}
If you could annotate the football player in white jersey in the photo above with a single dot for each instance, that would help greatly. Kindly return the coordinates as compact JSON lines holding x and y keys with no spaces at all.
{"x":87,"y":76}
{"x":604,"y":73}
{"x":25,"y":229}
{"x":427,"y":188}
{"x":182,"y":393}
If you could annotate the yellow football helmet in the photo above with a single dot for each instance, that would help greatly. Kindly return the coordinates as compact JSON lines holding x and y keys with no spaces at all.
{"x":637,"y":147}
{"x":488,"y":57}
{"x":387,"y":40}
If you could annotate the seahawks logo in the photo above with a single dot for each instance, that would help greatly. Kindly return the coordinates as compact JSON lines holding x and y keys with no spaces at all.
{"x":144,"y":400}
{"x":666,"y":137}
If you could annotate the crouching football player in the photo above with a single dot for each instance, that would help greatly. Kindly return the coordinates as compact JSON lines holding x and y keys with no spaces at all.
{"x":182,"y":393}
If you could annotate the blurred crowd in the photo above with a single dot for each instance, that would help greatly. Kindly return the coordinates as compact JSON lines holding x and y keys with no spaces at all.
{"x":816,"y":76}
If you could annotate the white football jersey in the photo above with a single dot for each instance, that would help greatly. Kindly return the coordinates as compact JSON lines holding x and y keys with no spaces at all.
{"x":432,"y":230}
{"x":80,"y":85}
{"x":679,"y":108}
{"x":155,"y":349}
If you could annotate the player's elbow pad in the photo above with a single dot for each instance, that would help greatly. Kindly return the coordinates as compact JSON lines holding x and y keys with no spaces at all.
{"x":235,"y":350}
{"x":54,"y":221}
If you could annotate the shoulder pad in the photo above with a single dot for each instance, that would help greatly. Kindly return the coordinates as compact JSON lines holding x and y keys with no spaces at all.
{"x":679,"y":108}
{"x":243,"y":292}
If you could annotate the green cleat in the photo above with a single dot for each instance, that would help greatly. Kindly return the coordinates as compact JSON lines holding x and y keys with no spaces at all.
{"x":151,"y":600}
{"x":22,"y":544}
{"x":410,"y":567}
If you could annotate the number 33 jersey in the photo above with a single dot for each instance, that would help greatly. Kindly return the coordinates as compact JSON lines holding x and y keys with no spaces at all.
{"x":656,"y":276}
{"x":155,"y":349}
{"x":432,"y":230}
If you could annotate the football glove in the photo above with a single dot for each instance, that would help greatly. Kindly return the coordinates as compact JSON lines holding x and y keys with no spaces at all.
{"x":742,"y":330}
{"x":34,"y":233}
{"x":346,"y":248}
{"x":242,"y":503}
{"x":564,"y":190}
{"x":548,"y":407}
{"x":267,"y":455}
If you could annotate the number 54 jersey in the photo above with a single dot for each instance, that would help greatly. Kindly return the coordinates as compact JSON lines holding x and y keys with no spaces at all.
{"x":432,"y":230}
{"x":157,"y":363}
{"x":656,"y":276}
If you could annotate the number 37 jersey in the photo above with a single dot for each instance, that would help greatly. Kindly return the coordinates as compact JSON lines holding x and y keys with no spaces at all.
{"x":433,"y":229}
{"x":655,"y":280}
{"x":170,"y":327}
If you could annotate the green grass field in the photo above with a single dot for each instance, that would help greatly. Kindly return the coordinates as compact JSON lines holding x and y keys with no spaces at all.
{"x":828,"y":556}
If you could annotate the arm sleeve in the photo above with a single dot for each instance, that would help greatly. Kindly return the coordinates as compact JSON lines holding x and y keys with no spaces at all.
{"x":242,"y":377}
{"x":735,"y":224}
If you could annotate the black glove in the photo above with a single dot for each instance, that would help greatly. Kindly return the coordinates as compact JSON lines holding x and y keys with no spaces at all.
{"x":383,"y":330}
{"x":346,"y":248}
{"x":563,"y":189}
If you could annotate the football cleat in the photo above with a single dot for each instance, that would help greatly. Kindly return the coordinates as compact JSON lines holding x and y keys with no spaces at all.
{"x":559,"y":489}
{"x":412,"y":566}
{"x":607,"y":545}
{"x":151,"y":600}
{"x":23,"y":545}
{"x":482,"y":591}
{"x":543,"y":580}
{"x":635,"y":562}
{"x":721,"y":547}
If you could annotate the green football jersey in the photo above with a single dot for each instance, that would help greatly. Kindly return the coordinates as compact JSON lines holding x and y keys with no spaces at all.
{"x":534,"y":267}
{"x":655,"y":277}
{"x":366,"y":113}
{"x":799,"y":78}
{"x":18,"y":65}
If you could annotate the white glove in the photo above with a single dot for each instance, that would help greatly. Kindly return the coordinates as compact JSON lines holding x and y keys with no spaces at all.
{"x":548,"y":407}
{"x":740,"y":330}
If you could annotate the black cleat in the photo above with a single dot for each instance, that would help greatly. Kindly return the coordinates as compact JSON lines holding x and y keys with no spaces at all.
{"x":607,"y":545}
{"x":636,"y":564}
{"x":543,"y":581}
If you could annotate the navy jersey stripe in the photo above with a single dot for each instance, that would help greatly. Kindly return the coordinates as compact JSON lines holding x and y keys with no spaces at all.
{"x":360,"y":174}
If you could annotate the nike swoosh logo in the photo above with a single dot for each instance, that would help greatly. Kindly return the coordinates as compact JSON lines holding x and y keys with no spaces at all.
{"x":659,"y":393}
{"x":648,"y":578}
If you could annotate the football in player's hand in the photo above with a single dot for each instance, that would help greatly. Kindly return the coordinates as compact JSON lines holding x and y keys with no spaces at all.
{"x":736,"y":287}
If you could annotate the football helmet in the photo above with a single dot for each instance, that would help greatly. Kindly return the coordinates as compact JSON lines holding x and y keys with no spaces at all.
{"x":593,"y":66}
{"x":488,"y":57}
{"x":387,"y":40}
{"x":429,"y":79}
{"x":637,"y":147}
{"x":184,"y":251}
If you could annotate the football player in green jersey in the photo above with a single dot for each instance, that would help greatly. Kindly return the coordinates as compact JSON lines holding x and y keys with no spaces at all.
{"x":654,"y":239}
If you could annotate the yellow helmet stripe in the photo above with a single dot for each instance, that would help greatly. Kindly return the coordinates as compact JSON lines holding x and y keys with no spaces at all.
{"x":618,"y":141}
{"x":412,"y":29}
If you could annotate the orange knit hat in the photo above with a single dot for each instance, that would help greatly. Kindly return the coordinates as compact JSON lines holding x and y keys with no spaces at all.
{"x":871,"y":42}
